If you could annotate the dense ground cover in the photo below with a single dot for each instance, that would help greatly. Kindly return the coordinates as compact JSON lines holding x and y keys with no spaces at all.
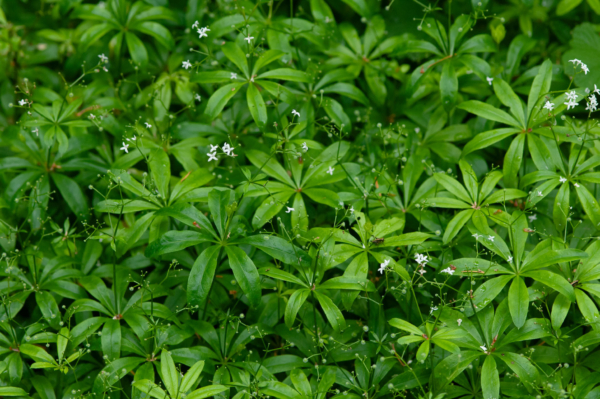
{"x":299,"y":199}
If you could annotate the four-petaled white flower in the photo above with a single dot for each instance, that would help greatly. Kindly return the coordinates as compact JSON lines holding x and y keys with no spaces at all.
{"x":571,"y":95}
{"x":124,"y":148}
{"x":289,"y":210}
{"x":491,"y":238}
{"x":213,"y":148}
{"x":459,"y":321}
{"x":596,"y":89}
{"x":132,"y":139}
{"x":202,"y":32}
{"x":576,"y":185}
{"x":92,"y":116}
{"x":483,"y":348}
{"x":36,"y":131}
{"x":22,"y":102}
{"x":421,"y":259}
{"x":148,"y":126}
{"x":422,"y":271}
{"x":330,"y":170}
{"x":584,"y":68}
{"x":212,"y":156}
{"x":549,"y":106}
{"x":448,"y":271}
{"x":490,"y":80}
{"x":186,"y":64}
{"x":304,"y":146}
{"x":571,"y":104}
{"x":227,"y":149}
{"x":433,"y":309}
{"x":384,"y":266}
{"x":476,"y":236}
{"x":351,"y":210}
{"x":233,"y":75}
{"x":532,"y":217}
{"x":562,"y":179}
{"x":510,"y":259}
{"x":294,"y":112}
{"x":539,"y":193}
{"x":195,"y":25}
{"x":249,"y":38}
{"x":103,"y":58}
{"x":592,"y":103}
{"x":197,"y":97}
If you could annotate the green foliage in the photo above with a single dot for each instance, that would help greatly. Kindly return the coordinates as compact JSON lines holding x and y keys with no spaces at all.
{"x":311,"y":199}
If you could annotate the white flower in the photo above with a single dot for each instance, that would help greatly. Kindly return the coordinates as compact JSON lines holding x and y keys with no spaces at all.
{"x":227,"y":149}
{"x":330,"y":171}
{"x":103,"y":58}
{"x":571,"y":95}
{"x":92,"y":116}
{"x":491,"y":238}
{"x":195,"y":25}
{"x":584,"y":68}
{"x":249,"y":38}
{"x":459,"y":321}
{"x":304,"y":146}
{"x":562,"y":179}
{"x":197,"y":97}
{"x":289,"y":210}
{"x":571,"y":104}
{"x":483,"y":348}
{"x":186,"y":64}
{"x":212,"y":156}
{"x":213,"y":148}
{"x":422,"y":271}
{"x":351,"y":210}
{"x":448,"y":271}
{"x":202,"y":32}
{"x":592,"y":103}
{"x":539,"y":193}
{"x":489,"y":80}
{"x":124,"y":148}
{"x":132,"y":139}
{"x":22,"y":102}
{"x":575,"y":61}
{"x":596,"y":89}
{"x":233,"y":75}
{"x":532,"y":217}
{"x":510,"y":259}
{"x":421,"y":259}
{"x":36,"y":131}
{"x":294,"y":112}
{"x":576,"y":185}
{"x":148,"y":126}
{"x":384,"y":266}
{"x":549,"y":106}
{"x":433,"y":309}
{"x":476,"y":236}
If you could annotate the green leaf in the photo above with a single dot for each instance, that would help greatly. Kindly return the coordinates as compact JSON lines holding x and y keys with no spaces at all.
{"x":173,"y":241}
{"x":486,"y":139}
{"x":220,"y":98}
{"x":508,"y":97}
{"x":489,"y":112}
{"x":539,"y":88}
{"x":294,"y":304}
{"x":553,"y":281}
{"x":169,"y":374}
{"x":72,"y":194}
{"x":448,"y":86}
{"x":245,"y":274}
{"x":137,"y":50}
{"x":405,"y":326}
{"x":287,"y":74}
{"x":333,"y":314}
{"x":160,"y":170}
{"x":235,"y":54}
{"x":201,"y":276}
{"x":218,"y":200}
{"x":111,"y":339}
{"x":257,"y":106}
{"x":490,"y":380}
{"x":518,"y":301}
